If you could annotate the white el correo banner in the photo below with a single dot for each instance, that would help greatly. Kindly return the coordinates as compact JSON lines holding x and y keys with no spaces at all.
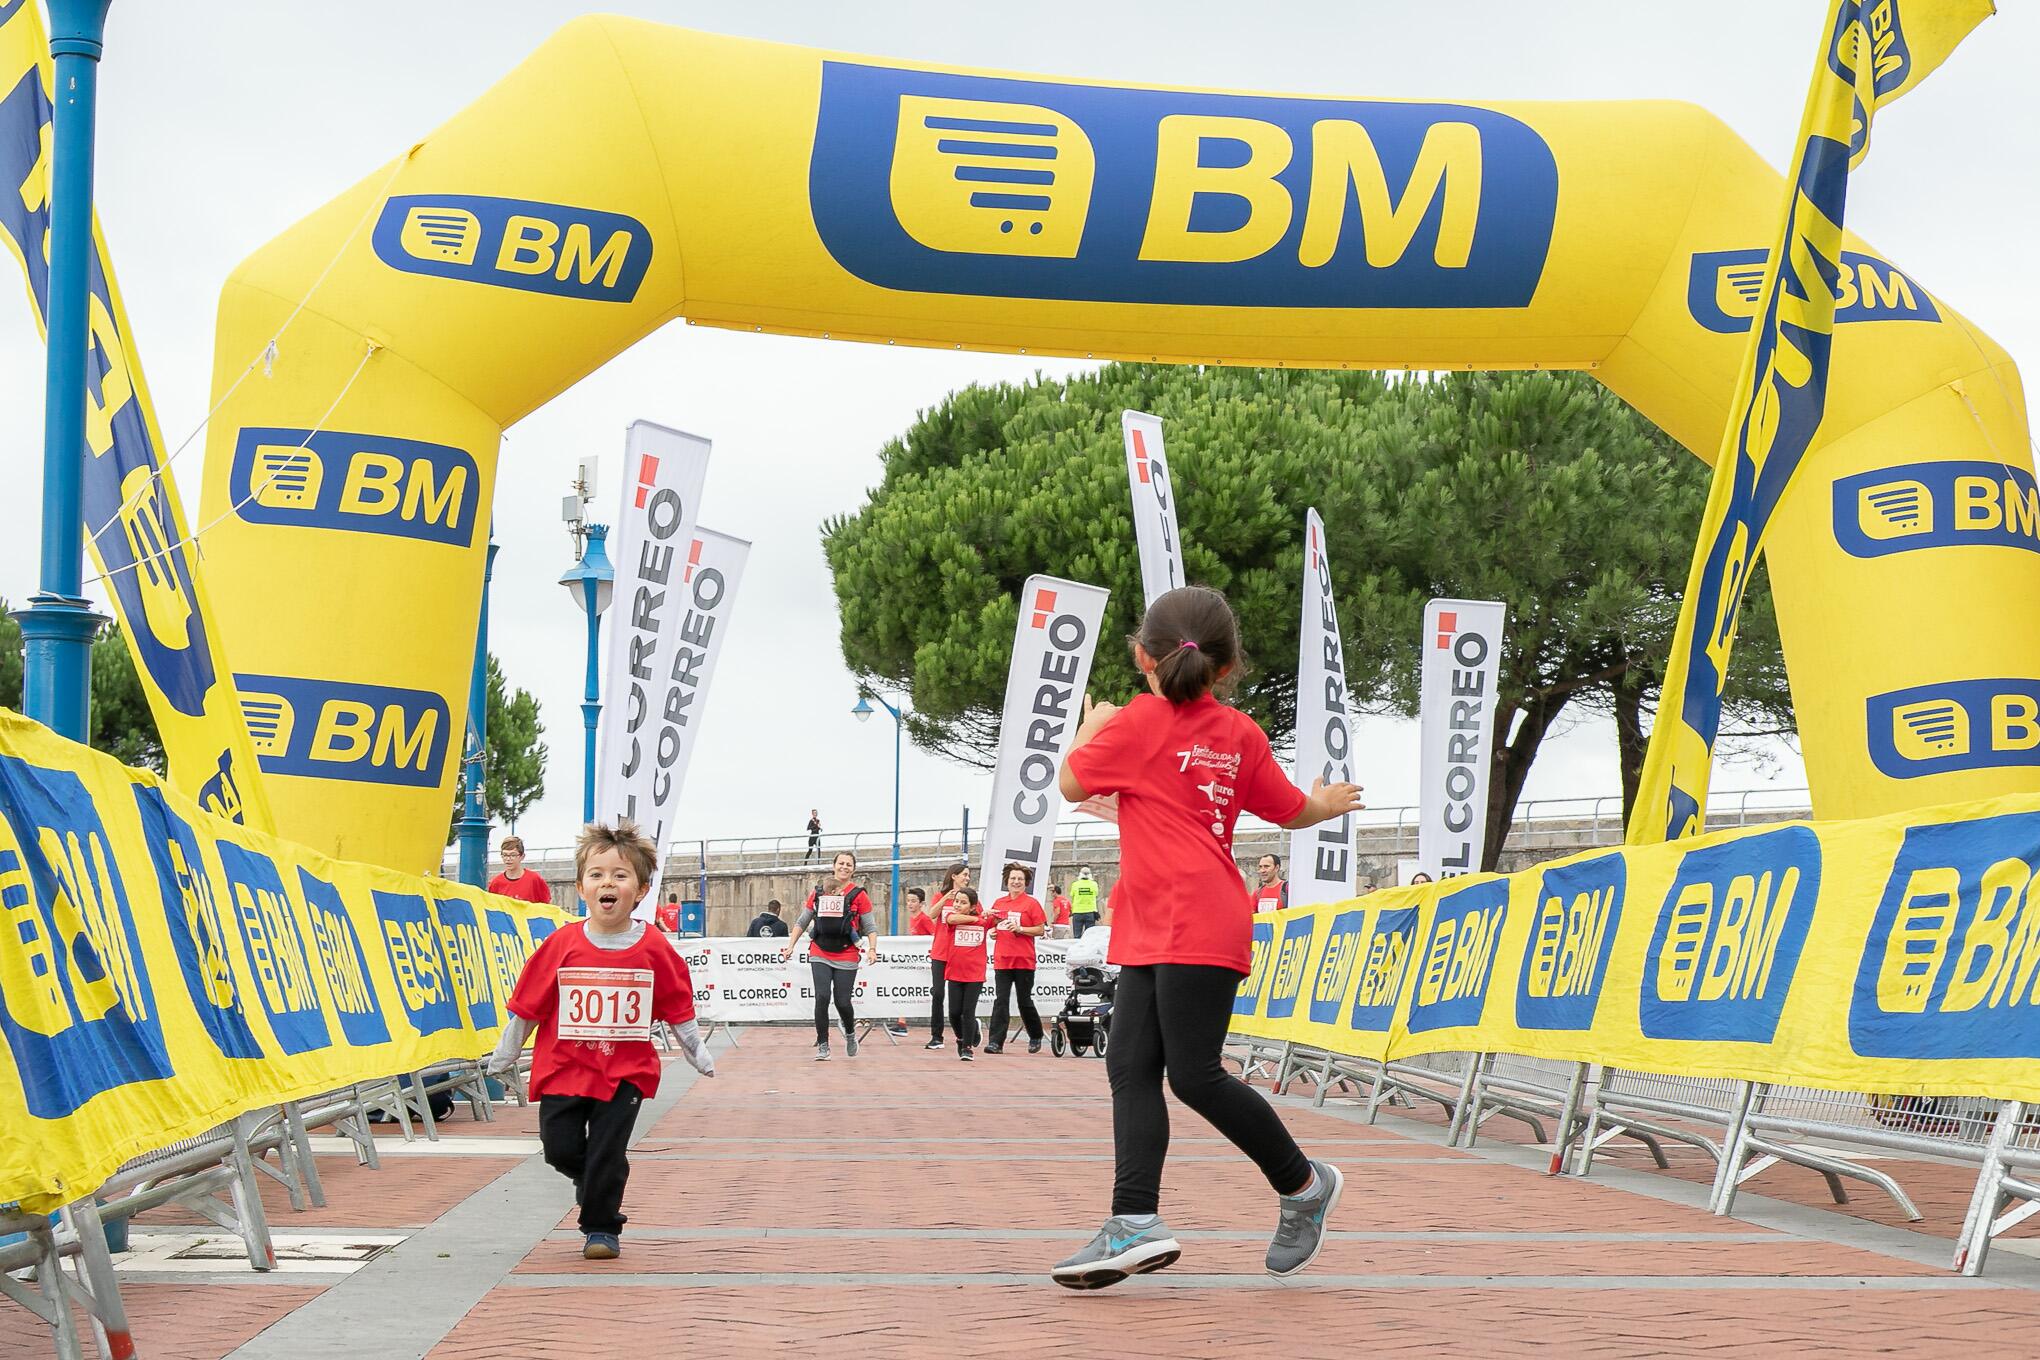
{"x":1321,"y":866}
{"x":663,"y":474}
{"x":1053,"y":644}
{"x":1154,"y":505}
{"x":708,"y":592}
{"x":1462,"y":650}
{"x":744,"y":981}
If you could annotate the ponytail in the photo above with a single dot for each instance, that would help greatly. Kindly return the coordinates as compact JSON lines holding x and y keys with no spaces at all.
{"x":1194,"y":640}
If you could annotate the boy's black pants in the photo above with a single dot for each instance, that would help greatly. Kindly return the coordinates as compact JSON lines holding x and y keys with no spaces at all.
{"x":584,"y":1140}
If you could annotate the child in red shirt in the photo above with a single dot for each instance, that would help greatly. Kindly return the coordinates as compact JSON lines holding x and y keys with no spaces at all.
{"x":591,"y":991}
{"x":964,"y":972}
{"x":919,"y":922}
{"x":1017,"y":919}
{"x":1184,"y":766}
{"x":955,"y":877}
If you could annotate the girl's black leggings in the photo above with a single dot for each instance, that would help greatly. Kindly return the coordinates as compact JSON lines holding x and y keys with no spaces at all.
{"x":841,"y":983}
{"x":1171,"y":1018}
{"x":963,"y":999}
{"x":936,"y":968}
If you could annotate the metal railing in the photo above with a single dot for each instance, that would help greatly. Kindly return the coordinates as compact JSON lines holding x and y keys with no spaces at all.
{"x":1540,"y":824}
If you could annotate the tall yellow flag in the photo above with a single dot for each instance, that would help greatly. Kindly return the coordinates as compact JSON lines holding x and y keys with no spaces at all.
{"x":1875,"y":52}
{"x":133,"y":518}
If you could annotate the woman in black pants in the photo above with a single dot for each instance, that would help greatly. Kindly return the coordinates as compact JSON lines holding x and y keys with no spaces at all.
{"x":1017,"y":919}
{"x":956,"y":876}
{"x":838,"y":915}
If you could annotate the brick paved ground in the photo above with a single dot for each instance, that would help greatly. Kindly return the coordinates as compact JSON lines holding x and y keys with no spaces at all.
{"x":903,"y":1203}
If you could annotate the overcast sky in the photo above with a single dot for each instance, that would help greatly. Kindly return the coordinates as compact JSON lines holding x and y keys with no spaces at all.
{"x":216,"y":133}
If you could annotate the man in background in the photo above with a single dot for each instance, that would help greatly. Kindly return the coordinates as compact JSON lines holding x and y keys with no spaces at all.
{"x":1273,"y":894}
{"x":814,"y":835}
{"x":515,"y":880}
{"x":767,"y":923}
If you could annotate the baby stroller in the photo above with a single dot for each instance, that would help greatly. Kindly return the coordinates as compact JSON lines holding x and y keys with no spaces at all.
{"x":1086,"y":1016}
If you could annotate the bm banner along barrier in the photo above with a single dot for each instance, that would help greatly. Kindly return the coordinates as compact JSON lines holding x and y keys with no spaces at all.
{"x":168,"y":971}
{"x":1776,"y":971}
{"x":628,"y":174}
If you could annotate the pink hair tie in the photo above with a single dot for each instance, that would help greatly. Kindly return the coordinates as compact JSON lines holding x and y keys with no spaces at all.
{"x":1191,"y":645}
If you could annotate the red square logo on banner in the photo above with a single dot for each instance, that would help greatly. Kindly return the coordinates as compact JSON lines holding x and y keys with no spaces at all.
{"x":1140,"y":457}
{"x":1044,"y":605}
{"x":647,"y":476}
{"x":1448,"y":624}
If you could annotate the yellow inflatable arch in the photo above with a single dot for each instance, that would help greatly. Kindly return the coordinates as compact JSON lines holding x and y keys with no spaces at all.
{"x":629,"y":173}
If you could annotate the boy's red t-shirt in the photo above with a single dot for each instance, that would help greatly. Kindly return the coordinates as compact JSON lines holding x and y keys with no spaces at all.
{"x":1062,"y":910}
{"x":966,"y":962}
{"x":526,"y":887}
{"x":594,"y":1067}
{"x":1010,"y":950}
{"x":1183,"y":773}
{"x":921,"y":924}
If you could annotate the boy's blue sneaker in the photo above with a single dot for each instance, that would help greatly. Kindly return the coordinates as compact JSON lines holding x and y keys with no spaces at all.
{"x":1119,"y":1250}
{"x":601,"y":1247}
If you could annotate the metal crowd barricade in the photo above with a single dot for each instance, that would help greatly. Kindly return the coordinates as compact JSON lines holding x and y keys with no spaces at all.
{"x":194,"y":1172}
{"x":2007,"y":1188}
{"x":1649,"y":1106}
{"x":76,"y":1234}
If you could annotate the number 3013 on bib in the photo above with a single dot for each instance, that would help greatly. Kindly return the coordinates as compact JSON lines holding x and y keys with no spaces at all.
{"x":605,"y":1003}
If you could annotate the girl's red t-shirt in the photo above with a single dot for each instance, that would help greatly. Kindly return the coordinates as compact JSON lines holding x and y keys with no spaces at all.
{"x":1010,"y":950}
{"x":966,"y":962}
{"x":595,"y":1067}
{"x":1183,"y":773}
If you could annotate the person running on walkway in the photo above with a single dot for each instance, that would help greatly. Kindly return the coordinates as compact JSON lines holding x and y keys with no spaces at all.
{"x":969,"y":924}
{"x":516,"y":880}
{"x":1273,"y":894}
{"x":814,"y":835}
{"x":1185,"y":766}
{"x":837,"y":916}
{"x":594,"y":1062}
{"x":955,"y":877}
{"x":1083,"y":903}
{"x":1017,"y":920}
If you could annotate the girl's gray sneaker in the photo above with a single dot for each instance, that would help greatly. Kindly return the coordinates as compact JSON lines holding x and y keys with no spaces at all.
{"x":1301,"y":1232}
{"x":1119,"y":1250}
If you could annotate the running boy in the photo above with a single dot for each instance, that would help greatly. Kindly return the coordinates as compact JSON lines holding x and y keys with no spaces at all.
{"x":592,"y":991}
{"x":1185,"y":766}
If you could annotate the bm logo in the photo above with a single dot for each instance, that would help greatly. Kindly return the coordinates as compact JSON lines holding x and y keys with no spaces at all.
{"x":1937,"y":505}
{"x":1955,"y":725}
{"x":1728,"y":938}
{"x":512,"y":243}
{"x":1951,"y":967}
{"x":1457,"y":958}
{"x":1579,"y":910}
{"x":1726,"y":287}
{"x":933,"y":182}
{"x":328,"y":729}
{"x":360,"y":483}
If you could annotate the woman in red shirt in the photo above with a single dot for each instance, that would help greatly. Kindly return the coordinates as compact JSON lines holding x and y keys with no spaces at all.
{"x":1184,"y":766}
{"x":1017,"y":918}
{"x":965,"y":970}
{"x":954,"y":878}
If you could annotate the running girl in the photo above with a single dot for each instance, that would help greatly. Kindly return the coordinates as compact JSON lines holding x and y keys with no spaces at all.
{"x":965,"y":971}
{"x":837,"y":915}
{"x":1184,"y":767}
{"x":592,"y":990}
{"x":954,"y":877}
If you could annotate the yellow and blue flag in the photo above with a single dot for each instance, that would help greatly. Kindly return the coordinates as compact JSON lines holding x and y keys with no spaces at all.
{"x":134,"y":521}
{"x":1875,"y":52}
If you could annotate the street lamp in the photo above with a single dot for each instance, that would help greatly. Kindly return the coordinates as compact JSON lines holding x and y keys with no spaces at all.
{"x":863,"y":713}
{"x":57,"y":626}
{"x":474,"y":818}
{"x":590,"y":582}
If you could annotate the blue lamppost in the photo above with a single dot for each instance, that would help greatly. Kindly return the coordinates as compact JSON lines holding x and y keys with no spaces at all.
{"x":57,"y":626}
{"x":474,"y":817}
{"x":863,"y":714}
{"x":590,"y":582}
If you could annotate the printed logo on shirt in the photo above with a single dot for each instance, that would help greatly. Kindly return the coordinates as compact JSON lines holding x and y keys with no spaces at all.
{"x":1204,"y":758}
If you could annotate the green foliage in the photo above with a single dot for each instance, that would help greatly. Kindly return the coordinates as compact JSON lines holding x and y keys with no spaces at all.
{"x":122,"y":725}
{"x":1542,"y":490}
{"x":514,"y":762}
